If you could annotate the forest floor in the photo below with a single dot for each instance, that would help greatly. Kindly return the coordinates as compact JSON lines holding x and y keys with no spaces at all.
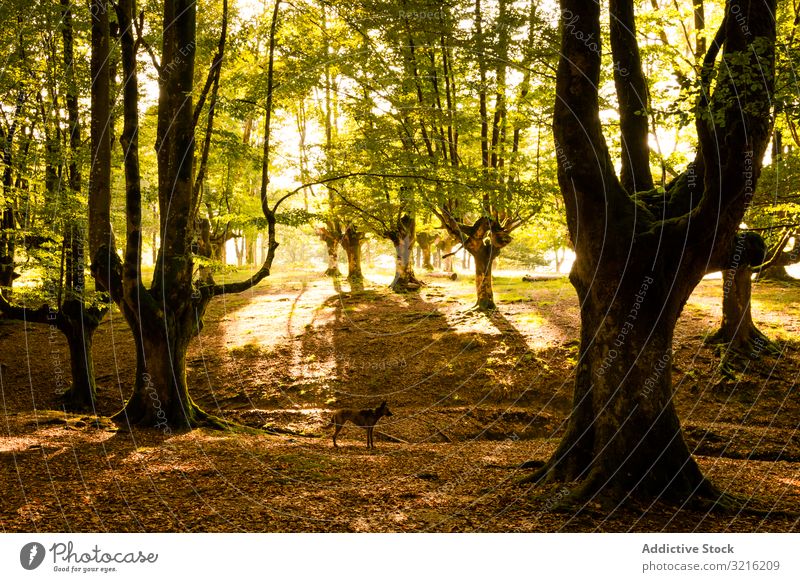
{"x":473,"y":397}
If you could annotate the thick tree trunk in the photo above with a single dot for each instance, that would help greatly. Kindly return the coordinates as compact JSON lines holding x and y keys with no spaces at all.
{"x":331,"y":234}
{"x":624,"y":437}
{"x":351,"y":242}
{"x":484,"y":256}
{"x":332,"y":247}
{"x":425,"y":242}
{"x":403,"y":238}
{"x":161,"y":395}
{"x":737,"y":329}
{"x":79,"y":325}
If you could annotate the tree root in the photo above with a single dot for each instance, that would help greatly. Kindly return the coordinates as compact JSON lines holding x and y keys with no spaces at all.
{"x":573,"y":496}
{"x":135,"y":415}
{"x":406,"y":285}
{"x":751,"y":344}
{"x":736,"y":352}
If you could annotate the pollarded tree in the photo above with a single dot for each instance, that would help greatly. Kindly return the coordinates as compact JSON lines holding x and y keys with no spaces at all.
{"x":480,"y":141}
{"x":165,"y":317}
{"x":638,"y":261}
{"x":456,"y":102}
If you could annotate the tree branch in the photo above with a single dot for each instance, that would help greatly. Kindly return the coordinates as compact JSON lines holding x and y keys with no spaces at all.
{"x":632,"y":94}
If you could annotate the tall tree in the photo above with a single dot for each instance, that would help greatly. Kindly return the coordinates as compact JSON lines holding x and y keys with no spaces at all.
{"x":638,"y":260}
{"x":165,"y":317}
{"x":68,"y":306}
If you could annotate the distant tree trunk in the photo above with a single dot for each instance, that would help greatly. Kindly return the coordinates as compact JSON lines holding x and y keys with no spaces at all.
{"x":250,"y":254}
{"x":779,"y":258}
{"x":239,"y":250}
{"x":443,"y":253}
{"x":368,"y":254}
{"x":78,"y":322}
{"x":332,"y":247}
{"x":737,"y":330}
{"x":402,"y":238}
{"x":425,"y":242}
{"x":331,"y":235}
{"x":483,"y":241}
{"x":351,"y":242}
{"x":559,"y":257}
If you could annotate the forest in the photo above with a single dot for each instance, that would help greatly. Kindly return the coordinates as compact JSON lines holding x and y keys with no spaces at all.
{"x":415,"y":266}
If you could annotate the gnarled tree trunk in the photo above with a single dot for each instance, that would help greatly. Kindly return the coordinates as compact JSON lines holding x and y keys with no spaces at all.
{"x":331,"y":234}
{"x":402,"y":238}
{"x":484,"y":259}
{"x":425,"y":242}
{"x":737,"y":330}
{"x":351,"y":242}
{"x":624,"y":439}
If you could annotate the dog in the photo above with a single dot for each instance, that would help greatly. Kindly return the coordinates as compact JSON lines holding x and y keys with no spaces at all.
{"x":365,"y":418}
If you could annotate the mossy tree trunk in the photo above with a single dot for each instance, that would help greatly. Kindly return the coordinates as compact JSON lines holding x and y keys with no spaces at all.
{"x":624,"y":439}
{"x":352,"y":239}
{"x":403,"y":237}
{"x":425,"y":242}
{"x":737,"y":332}
{"x":331,"y":234}
{"x":167,"y":316}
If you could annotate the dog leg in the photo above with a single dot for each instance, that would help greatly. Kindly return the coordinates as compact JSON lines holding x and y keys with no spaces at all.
{"x":336,"y":431}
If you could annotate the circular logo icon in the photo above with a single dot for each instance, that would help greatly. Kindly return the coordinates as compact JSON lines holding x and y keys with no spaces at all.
{"x":31,"y":555}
